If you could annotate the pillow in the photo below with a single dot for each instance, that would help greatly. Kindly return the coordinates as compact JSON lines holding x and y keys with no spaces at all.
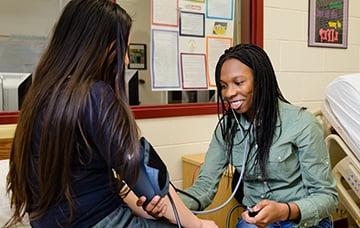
{"x":5,"y":212}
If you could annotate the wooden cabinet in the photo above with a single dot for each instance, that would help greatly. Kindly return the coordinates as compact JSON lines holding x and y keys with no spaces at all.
{"x":5,"y":147}
{"x":191,"y":166}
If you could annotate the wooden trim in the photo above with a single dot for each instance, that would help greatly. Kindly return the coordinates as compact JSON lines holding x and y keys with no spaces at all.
{"x":253,"y":25}
{"x":246,"y":21}
{"x":144,"y":112}
{"x":257,"y":22}
{"x":156,"y":111}
{"x":9,"y":117}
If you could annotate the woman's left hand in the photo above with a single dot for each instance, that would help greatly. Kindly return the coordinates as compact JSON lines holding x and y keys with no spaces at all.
{"x":156,"y":208}
{"x":268,"y":212}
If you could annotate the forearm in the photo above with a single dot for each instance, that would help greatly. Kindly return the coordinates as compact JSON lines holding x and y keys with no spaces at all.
{"x":294,"y":212}
{"x":289,"y":211}
{"x":316,"y":175}
{"x":206,"y":185}
{"x":130,"y":200}
{"x":316,"y":207}
{"x":211,"y":171}
{"x":203,"y":197}
{"x":309,"y":210}
{"x":187,"y":218}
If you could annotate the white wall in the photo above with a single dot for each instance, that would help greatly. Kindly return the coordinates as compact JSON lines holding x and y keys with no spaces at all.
{"x":33,"y":18}
{"x":37,"y":17}
{"x":304,"y":72}
{"x":178,"y":136}
{"x":171,"y":137}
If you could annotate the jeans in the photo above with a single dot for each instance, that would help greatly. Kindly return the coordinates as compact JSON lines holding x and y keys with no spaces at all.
{"x":324,"y":223}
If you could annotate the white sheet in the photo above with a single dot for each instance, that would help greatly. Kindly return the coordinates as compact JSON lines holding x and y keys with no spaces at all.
{"x":5,"y":212}
{"x":343,"y":107}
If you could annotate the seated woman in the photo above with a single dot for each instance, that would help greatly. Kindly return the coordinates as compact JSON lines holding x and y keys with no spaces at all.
{"x":278,"y":148}
{"x":74,"y":131}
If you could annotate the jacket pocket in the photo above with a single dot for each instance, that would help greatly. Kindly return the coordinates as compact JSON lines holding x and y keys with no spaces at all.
{"x":283,"y":162}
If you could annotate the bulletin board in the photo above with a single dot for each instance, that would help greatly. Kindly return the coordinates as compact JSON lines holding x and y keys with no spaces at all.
{"x":187,"y":39}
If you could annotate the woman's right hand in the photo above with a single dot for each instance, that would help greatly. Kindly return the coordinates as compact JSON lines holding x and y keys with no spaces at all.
{"x":208,"y":224}
{"x":156,"y":208}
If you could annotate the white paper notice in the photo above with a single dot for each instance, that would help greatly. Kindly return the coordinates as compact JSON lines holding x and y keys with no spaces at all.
{"x":222,"y":9}
{"x":190,"y":44}
{"x":165,"y":12}
{"x":193,"y":71}
{"x":165,"y":70}
{"x":192,"y":24}
{"x":216,"y":47}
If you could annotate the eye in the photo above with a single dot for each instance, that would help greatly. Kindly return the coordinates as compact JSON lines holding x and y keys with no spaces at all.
{"x":223,"y":86}
{"x":239,"y":83}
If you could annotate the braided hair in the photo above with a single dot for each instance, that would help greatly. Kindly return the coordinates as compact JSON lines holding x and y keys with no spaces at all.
{"x":264,"y":111}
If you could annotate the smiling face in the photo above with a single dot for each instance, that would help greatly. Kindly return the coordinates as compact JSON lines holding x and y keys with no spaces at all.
{"x":237,"y":85}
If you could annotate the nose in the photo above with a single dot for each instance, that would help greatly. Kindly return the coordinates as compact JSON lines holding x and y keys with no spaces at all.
{"x":229,"y":92}
{"x":127,"y":61}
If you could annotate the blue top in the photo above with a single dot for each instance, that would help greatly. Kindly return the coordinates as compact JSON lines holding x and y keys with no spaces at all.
{"x":95,"y":192}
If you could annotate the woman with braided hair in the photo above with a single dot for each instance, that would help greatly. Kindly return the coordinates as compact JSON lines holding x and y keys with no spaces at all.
{"x":277,"y":148}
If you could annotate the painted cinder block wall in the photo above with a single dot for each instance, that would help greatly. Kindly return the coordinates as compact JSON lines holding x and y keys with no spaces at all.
{"x":303,"y":72}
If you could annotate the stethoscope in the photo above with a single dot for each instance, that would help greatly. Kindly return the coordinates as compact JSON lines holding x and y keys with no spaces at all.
{"x":245,"y":135}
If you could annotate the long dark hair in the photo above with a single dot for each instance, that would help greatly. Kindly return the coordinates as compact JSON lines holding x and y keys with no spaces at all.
{"x":264,"y":111}
{"x":89,"y":44}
